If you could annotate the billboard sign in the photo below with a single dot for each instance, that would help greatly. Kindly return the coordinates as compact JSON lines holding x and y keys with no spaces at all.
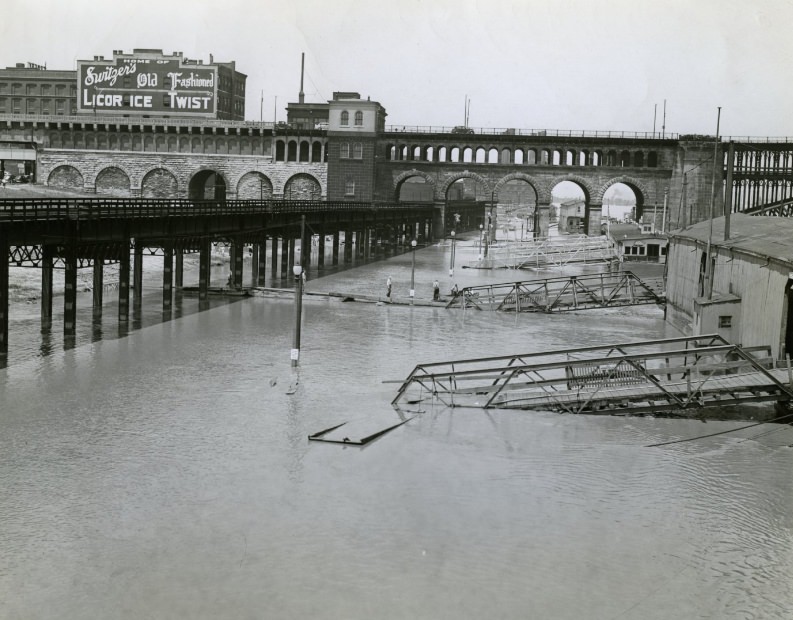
{"x":144,"y":85}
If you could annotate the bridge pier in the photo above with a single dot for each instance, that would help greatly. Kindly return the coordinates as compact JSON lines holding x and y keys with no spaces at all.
{"x":290,"y":256}
{"x":167,"y":279}
{"x":46,"y":286}
{"x":321,"y":249}
{"x":98,"y":283}
{"x":273,"y":257}
{"x":70,"y":291}
{"x":260,"y":260}
{"x":285,"y":266}
{"x":179,"y":269}
{"x":123,"y":281}
{"x":237,"y":257}
{"x":543,"y":216}
{"x":335,"y":247}
{"x":137,"y":275}
{"x":204,"y":262}
{"x":348,"y":245}
{"x":594,"y":212}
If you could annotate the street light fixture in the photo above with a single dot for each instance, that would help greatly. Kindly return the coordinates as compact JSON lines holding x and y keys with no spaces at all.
{"x":413,"y":244}
{"x":295,"y":353}
{"x":451,"y":260}
{"x":481,"y":234}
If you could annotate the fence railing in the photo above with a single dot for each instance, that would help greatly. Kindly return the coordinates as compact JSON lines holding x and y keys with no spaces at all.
{"x":82,"y":209}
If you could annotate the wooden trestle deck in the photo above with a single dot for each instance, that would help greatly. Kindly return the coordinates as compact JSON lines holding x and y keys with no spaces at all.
{"x":642,"y":377}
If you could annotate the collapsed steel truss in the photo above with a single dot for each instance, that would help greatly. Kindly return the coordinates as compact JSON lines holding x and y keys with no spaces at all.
{"x":560,"y":294}
{"x":640,"y":377}
{"x":547,"y":252}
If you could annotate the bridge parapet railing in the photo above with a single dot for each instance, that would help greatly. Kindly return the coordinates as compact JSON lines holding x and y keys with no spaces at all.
{"x":52,"y":209}
{"x":549,"y":133}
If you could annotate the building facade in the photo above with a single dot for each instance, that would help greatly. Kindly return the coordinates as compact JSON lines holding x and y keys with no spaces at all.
{"x":748,"y":298}
{"x":145,"y":83}
{"x":354,"y":125}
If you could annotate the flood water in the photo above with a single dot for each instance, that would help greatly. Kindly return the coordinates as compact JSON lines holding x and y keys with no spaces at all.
{"x":167,"y":474}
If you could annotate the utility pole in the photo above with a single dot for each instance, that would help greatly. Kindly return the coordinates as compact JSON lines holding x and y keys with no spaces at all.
{"x":710,"y":262}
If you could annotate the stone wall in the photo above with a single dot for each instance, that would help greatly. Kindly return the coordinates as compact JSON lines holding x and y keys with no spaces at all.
{"x":168,"y":175}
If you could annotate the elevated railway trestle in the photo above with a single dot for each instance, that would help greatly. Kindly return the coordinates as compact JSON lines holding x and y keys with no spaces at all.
{"x":71,"y":233}
{"x":670,"y":376}
{"x":561,"y":294}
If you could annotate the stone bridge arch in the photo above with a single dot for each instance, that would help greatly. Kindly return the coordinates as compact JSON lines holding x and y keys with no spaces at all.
{"x":585,"y":184}
{"x":407,"y":174}
{"x":207,"y":184}
{"x":535,"y":184}
{"x":638,"y":186}
{"x":465,"y":174}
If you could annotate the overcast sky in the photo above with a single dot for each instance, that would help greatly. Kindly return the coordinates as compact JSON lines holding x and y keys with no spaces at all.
{"x":565,"y":64}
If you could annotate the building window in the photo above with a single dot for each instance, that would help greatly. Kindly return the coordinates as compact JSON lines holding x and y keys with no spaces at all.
{"x":2,"y":105}
{"x":45,"y":89}
{"x":45,"y":106}
{"x":344,"y":150}
{"x":16,"y":106}
{"x":345,"y":118}
{"x":4,"y":87}
{"x":16,"y":89}
{"x":357,"y":150}
{"x":31,"y":89}
{"x":358,"y":118}
{"x":725,"y":322}
{"x":60,"y":90}
{"x":349,"y":187}
{"x":59,"y":107}
{"x":30,"y":106}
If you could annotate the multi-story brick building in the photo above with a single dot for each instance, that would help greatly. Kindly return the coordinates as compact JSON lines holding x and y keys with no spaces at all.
{"x":353,"y":128}
{"x":144,"y":83}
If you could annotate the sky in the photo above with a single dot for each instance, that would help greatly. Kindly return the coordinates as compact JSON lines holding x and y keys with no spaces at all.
{"x":619,"y":65}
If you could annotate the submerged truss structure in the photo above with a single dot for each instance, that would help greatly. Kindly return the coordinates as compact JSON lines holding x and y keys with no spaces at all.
{"x":561,"y":294}
{"x":630,"y":378}
{"x":547,"y":252}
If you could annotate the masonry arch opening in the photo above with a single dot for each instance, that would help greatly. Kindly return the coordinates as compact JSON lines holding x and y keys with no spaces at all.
{"x":207,"y":185}
{"x":620,"y":204}
{"x":569,"y":208}
{"x":516,"y":210}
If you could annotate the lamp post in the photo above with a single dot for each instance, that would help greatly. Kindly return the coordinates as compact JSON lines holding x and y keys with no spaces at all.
{"x":451,"y":260}
{"x":295,"y":353}
{"x":481,"y":234}
{"x":413,"y":271}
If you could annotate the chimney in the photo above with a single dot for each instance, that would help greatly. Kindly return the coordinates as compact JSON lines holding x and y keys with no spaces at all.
{"x":301,"y":96}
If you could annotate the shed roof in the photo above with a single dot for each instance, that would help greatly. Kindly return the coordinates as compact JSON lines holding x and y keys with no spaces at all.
{"x":761,"y":235}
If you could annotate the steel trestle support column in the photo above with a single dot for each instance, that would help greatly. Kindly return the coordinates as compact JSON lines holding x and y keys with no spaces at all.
{"x":321,"y":248}
{"x":98,"y":284}
{"x":285,"y":262}
{"x":179,"y":269}
{"x":123,"y":282}
{"x":273,"y":257}
{"x":137,"y":275}
{"x":237,"y":256}
{"x":261,"y":260}
{"x":70,"y":291}
{"x":4,"y":249}
{"x":46,"y":286}
{"x":167,"y":279}
{"x":205,"y":255}
{"x":335,"y":260}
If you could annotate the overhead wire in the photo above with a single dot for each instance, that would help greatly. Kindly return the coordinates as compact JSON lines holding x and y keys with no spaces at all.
{"x":732,"y":430}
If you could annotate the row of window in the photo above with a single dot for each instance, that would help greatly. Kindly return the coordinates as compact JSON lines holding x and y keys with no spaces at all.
{"x":34,"y":106}
{"x":345,"y":118}
{"x":59,"y":90}
{"x":547,"y":157}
